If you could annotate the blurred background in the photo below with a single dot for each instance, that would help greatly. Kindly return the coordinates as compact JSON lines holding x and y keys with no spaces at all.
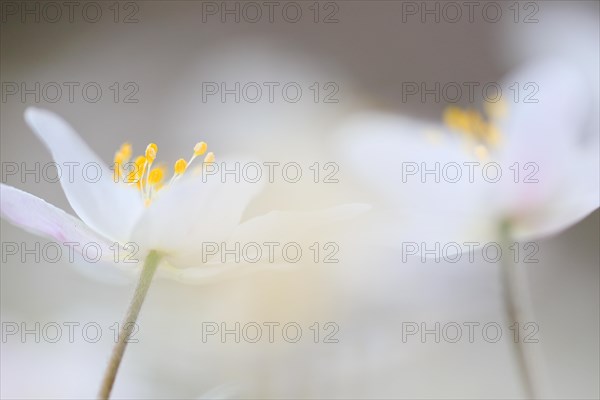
{"x":156,"y":63}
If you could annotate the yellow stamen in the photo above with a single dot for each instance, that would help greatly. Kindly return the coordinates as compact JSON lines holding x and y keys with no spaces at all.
{"x":180,"y":166}
{"x":150,"y":180}
{"x":153,"y":183}
{"x":126,"y":150}
{"x":453,"y":117}
{"x":475,"y":127}
{"x":151,"y":152}
{"x":156,"y":176}
{"x":200,"y":148}
{"x":140,"y":161}
{"x":120,"y":158}
{"x":476,"y":124}
{"x":210,"y":157}
{"x":138,"y":170}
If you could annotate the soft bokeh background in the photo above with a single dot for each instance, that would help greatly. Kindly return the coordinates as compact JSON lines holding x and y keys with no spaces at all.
{"x":368,"y":53}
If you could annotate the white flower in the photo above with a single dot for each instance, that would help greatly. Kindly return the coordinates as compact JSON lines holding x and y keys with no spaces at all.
{"x":173,"y":219}
{"x":554,"y":141}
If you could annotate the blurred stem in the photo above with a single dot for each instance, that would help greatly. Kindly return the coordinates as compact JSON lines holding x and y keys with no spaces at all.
{"x":513,"y":307}
{"x":129,"y":321}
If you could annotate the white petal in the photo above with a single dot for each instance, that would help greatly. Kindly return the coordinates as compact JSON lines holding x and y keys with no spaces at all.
{"x":276,"y":226}
{"x":191,"y":212}
{"x":215,"y":273}
{"x":290,"y":226}
{"x":107,"y":207}
{"x":544,"y":131}
{"x":298,"y":228}
{"x":41,"y":218}
{"x":419,"y":207}
{"x":575,"y":198}
{"x":378,"y":145}
{"x":106,"y":270}
{"x":552,"y":134}
{"x":564,"y":214}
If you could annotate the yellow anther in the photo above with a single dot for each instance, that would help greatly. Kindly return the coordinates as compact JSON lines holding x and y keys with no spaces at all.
{"x":140,"y":161}
{"x":156,"y":175}
{"x":180,"y":166}
{"x":119,"y":158}
{"x":452,"y":115}
{"x":474,"y":122}
{"x":200,"y":148}
{"x":210,"y":157}
{"x":151,"y":151}
{"x":138,"y":170}
{"x":123,"y":154}
{"x":459,"y":120}
{"x":126,"y":150}
{"x":475,"y":127}
{"x":150,"y":180}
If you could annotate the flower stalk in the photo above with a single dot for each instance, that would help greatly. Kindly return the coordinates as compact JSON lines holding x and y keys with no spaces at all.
{"x":514,"y":304}
{"x":128,"y":324}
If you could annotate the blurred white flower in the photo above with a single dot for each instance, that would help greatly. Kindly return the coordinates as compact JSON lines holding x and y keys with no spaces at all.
{"x":522,"y":170}
{"x":440,"y":184}
{"x":137,"y":208}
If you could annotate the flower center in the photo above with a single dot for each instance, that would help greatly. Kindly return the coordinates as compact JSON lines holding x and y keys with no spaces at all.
{"x":140,"y":172}
{"x":477,"y":128}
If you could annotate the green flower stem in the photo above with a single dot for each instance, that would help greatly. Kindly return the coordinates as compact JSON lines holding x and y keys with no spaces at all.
{"x":133,"y":311}
{"x":513,"y":307}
